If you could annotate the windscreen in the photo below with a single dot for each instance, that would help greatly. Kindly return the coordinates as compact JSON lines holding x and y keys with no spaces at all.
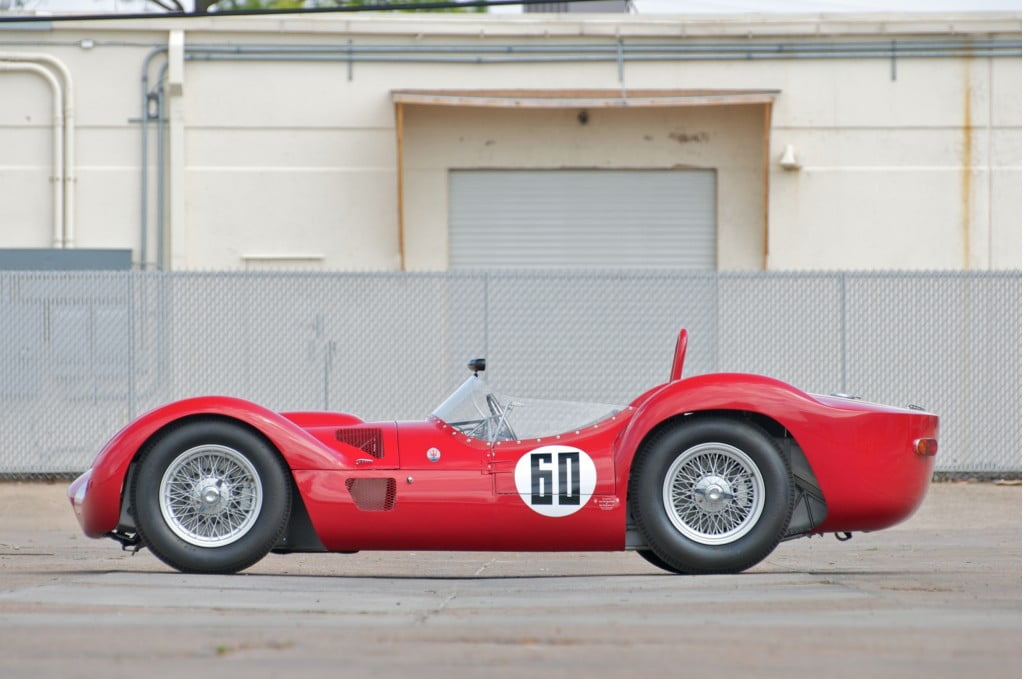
{"x":477,"y":411}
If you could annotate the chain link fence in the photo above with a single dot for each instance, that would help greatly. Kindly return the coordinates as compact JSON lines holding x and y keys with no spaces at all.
{"x":81,"y":354}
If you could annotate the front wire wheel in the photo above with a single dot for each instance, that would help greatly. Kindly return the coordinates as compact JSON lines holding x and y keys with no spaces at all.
{"x":211,"y":496}
{"x":711,"y":495}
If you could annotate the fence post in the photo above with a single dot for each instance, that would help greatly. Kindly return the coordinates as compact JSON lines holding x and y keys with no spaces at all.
{"x":487,"y":314}
{"x":842,"y":334}
{"x":131,"y":344}
{"x":717,"y":367}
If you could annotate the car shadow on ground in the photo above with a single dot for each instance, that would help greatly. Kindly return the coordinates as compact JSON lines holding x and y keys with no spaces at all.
{"x":760,"y":574}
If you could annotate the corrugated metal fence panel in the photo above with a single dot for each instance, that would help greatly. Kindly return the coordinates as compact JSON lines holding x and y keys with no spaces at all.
{"x":83,"y":353}
{"x":601,"y":338}
{"x":949,"y":344}
{"x":784,"y":326}
{"x":573,"y":219}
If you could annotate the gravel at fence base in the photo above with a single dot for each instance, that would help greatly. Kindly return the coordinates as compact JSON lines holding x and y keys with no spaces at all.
{"x":937,"y":596}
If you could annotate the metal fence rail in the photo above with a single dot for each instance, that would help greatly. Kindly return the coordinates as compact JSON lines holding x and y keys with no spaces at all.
{"x":83,"y":353}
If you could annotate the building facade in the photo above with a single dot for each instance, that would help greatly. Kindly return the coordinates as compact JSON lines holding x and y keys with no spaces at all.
{"x":439,"y":142}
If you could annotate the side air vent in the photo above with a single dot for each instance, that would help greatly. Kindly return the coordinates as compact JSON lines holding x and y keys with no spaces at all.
{"x":366,"y":439}
{"x":372,"y":495}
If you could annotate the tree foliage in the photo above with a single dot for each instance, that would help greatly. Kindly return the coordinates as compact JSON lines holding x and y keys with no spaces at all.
{"x":207,"y":6}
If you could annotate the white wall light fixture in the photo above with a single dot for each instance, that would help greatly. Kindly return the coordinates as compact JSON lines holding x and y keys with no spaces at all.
{"x":788,"y":159}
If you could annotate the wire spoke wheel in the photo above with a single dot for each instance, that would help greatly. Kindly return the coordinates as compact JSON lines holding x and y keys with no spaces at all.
{"x":210,"y":496}
{"x":710,"y":495}
{"x":713,"y":493}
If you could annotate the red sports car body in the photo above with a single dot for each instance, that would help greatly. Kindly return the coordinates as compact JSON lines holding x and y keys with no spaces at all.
{"x":698,"y":475}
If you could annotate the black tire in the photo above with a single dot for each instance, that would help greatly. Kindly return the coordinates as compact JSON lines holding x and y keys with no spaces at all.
{"x":653,"y":559}
{"x":211,"y":496}
{"x":711,"y":495}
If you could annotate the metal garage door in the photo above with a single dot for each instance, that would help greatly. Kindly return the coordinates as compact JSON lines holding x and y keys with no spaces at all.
{"x":581,"y":219}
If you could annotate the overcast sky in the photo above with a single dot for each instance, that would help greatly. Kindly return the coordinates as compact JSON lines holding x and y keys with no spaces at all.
{"x":641,"y":6}
{"x":818,"y":6}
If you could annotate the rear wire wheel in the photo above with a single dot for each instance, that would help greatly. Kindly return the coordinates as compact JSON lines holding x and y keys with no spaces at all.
{"x":211,"y":496}
{"x":711,"y":495}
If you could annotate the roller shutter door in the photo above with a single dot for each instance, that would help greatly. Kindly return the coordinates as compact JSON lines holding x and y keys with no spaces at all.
{"x":581,"y":219}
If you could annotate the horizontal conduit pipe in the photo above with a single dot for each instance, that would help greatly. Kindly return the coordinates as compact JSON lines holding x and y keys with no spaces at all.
{"x":191,"y":56}
{"x":715,"y":47}
{"x":604,"y":47}
{"x":887,"y":46}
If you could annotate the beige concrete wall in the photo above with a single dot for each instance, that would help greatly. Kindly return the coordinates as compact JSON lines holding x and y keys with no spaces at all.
{"x":724,"y":138}
{"x":289,"y":164}
{"x":918,"y":172}
{"x":289,"y":160}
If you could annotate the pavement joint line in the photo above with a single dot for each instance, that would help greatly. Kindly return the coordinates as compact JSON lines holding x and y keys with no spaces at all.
{"x":484,"y":566}
{"x":422,"y":619}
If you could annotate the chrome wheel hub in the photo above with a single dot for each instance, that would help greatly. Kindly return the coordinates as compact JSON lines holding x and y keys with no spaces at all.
{"x":713,"y":493}
{"x":210,"y":496}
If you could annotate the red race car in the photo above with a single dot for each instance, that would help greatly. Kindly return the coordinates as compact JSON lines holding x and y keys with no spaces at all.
{"x":699,"y":475}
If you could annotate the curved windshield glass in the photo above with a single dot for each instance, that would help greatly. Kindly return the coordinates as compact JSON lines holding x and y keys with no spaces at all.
{"x":478,"y":411}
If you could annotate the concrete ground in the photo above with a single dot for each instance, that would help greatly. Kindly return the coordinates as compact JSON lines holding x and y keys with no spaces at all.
{"x":938,"y":596}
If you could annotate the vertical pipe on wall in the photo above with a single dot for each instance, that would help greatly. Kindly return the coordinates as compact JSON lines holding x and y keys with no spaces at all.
{"x":766,"y":150}
{"x":967,"y":167}
{"x":988,"y":164}
{"x":144,"y":173}
{"x":399,"y":136}
{"x":161,"y":179}
{"x":70,"y":175}
{"x":66,"y":183}
{"x":178,"y":250}
{"x":57,"y":177}
{"x":144,"y":168}
{"x":619,"y":57}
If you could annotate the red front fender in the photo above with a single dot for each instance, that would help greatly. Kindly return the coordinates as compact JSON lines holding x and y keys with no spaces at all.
{"x":105,"y":481}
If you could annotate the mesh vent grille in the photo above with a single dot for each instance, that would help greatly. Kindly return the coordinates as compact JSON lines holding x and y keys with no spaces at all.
{"x":368,"y":439}
{"x":372,"y":495}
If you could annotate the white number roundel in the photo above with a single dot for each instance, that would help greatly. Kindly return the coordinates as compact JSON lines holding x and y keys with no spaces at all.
{"x":555,"y":480}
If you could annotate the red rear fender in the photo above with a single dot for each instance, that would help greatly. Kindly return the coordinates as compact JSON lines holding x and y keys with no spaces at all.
{"x":862,"y":454}
{"x":727,"y":391}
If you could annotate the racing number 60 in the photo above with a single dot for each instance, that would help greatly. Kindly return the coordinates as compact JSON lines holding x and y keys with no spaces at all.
{"x":555,"y":481}
{"x":544,"y":475}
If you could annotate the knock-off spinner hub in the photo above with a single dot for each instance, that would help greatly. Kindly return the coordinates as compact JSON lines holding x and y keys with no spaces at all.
{"x":713,"y":493}
{"x":212,"y":496}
